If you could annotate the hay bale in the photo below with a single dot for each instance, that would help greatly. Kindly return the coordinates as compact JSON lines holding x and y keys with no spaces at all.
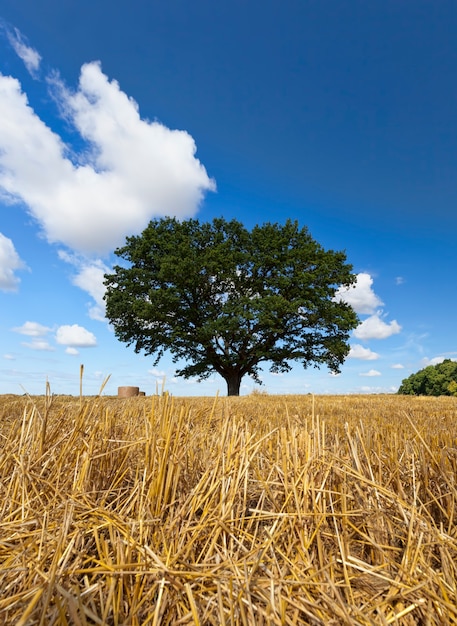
{"x":127,"y":392}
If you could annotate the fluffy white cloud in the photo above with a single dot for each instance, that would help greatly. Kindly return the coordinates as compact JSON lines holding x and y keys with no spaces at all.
{"x":365,"y":354}
{"x":375,"y":328}
{"x":75,"y":336}
{"x":89,"y":278}
{"x":72,"y":351}
{"x":39,"y":344}
{"x":398,"y":366}
{"x":29,"y":56}
{"x":360,"y":295}
{"x":133,"y":171}
{"x":32,"y":329}
{"x":371,"y":373}
{"x":157,"y":373}
{"x":10,"y":262}
{"x":435,"y":360}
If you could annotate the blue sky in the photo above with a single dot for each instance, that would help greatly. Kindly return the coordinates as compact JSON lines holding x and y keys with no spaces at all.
{"x":339,"y":115}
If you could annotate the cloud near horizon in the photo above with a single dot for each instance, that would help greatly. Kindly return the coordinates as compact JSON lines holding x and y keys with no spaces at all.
{"x":32,"y":329}
{"x":370,"y":373}
{"x":375,"y":328}
{"x":363,"y":300}
{"x":75,"y":336}
{"x":360,"y":295}
{"x":10,"y":263}
{"x":70,"y":335}
{"x":365,"y":354}
{"x":40,"y":345}
{"x":436,"y":360}
{"x":131,"y":170}
{"x":89,"y":277}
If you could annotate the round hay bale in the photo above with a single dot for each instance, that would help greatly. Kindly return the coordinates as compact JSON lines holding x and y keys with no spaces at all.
{"x":127,"y":392}
{"x":141,"y":393}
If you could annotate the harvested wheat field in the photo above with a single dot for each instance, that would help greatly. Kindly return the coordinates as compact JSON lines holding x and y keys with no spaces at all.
{"x":251,"y":510}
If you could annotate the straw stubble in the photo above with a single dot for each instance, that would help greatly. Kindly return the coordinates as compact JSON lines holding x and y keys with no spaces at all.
{"x":253,"y":510}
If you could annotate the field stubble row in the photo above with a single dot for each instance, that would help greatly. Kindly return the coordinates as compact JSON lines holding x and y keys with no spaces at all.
{"x":253,"y":510}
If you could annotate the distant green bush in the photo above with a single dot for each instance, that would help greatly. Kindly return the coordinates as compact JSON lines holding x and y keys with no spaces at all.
{"x":433,"y":380}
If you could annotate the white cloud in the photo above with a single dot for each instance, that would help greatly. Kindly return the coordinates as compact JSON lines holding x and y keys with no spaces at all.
{"x":32,"y":329}
{"x":365,"y":354}
{"x":134,"y":170}
{"x":375,"y":328}
{"x":75,"y":336}
{"x":72,"y":351}
{"x":89,"y":278}
{"x":360,"y":295}
{"x":435,"y":360}
{"x":369,"y":389}
{"x":39,"y":344}
{"x":9,"y":357}
{"x":399,"y":280}
{"x":398,"y":366}
{"x":371,"y":373}
{"x":157,"y":373}
{"x":29,"y":56}
{"x":38,"y":333}
{"x":10,"y":262}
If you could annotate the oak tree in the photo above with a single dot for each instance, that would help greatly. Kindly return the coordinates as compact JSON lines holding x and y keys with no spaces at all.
{"x":222,"y":298}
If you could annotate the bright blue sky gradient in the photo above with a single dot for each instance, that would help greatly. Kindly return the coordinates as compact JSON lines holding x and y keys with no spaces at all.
{"x":339,"y":115}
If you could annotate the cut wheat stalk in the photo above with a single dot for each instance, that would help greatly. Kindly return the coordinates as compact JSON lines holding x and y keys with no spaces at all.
{"x":254,"y":510}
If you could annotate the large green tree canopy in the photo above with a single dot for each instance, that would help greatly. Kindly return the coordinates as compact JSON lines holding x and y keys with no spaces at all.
{"x":221,"y":298}
{"x":433,"y":380}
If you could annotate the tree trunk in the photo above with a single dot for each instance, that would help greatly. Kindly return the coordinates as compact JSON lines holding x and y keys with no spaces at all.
{"x":233,"y":381}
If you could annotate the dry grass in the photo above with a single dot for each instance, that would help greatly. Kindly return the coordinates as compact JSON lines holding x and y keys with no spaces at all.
{"x":254,"y":510}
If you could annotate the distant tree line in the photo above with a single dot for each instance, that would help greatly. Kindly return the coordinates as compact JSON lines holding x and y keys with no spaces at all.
{"x":433,"y":380}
